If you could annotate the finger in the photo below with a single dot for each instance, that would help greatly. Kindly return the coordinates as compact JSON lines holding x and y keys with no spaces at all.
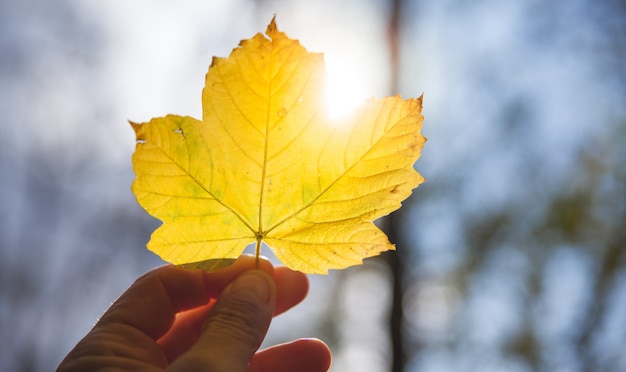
{"x":218,"y":280}
{"x":305,"y":355}
{"x":235,"y":326}
{"x":151,"y":303}
{"x":292,"y":287}
{"x":184,"y":332}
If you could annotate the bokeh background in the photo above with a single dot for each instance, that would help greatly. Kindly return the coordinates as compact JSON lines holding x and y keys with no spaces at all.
{"x":511,"y":257}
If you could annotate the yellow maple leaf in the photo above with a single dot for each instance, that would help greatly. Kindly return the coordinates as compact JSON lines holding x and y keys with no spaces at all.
{"x":265,"y":164}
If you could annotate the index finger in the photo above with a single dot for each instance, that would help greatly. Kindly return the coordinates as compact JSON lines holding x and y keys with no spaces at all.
{"x":151,"y":303}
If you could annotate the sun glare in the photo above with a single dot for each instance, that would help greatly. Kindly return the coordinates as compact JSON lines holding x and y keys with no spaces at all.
{"x":344,"y":89}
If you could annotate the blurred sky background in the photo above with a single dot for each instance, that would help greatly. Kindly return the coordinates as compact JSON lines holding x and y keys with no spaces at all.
{"x":512,"y":254}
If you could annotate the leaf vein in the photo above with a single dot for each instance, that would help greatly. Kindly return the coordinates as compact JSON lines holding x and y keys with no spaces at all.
{"x":236,"y":213}
{"x":330,"y":185}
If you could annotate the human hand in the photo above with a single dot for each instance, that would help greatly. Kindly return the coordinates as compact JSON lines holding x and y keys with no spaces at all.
{"x":182,"y":320}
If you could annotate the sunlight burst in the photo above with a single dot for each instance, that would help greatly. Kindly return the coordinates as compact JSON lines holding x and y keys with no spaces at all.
{"x":344,"y":88}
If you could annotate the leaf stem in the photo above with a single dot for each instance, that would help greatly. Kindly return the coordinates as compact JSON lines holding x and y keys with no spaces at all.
{"x":257,"y":253}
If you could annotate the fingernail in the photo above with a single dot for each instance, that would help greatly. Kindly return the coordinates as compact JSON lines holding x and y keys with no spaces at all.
{"x":253,"y":284}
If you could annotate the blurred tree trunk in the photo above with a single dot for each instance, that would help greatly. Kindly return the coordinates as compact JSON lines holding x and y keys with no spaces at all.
{"x":394,"y":259}
{"x":396,"y":316}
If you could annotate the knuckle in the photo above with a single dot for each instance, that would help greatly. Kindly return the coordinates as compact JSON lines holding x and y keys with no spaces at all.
{"x":239,"y":318}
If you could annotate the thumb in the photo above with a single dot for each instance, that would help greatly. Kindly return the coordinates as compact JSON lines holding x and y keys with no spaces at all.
{"x":235,"y":327}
